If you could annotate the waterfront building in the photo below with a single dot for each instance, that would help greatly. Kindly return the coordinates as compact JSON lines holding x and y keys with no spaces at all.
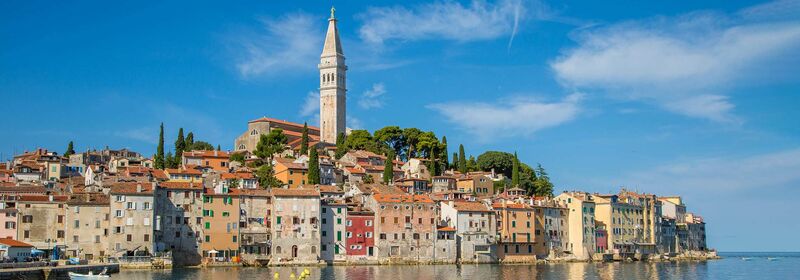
{"x":551,"y":227}
{"x":360,"y":226}
{"x":255,"y":225}
{"x":8,"y":223}
{"x":623,"y":220}
{"x":179,"y":221}
{"x":515,"y":226}
{"x":131,"y":223}
{"x":42,"y":221}
{"x":295,"y":225}
{"x":334,"y":233}
{"x":87,"y":226}
{"x":476,"y":230}
{"x":651,"y":219}
{"x":406,"y":227}
{"x":696,"y":229}
{"x":220,"y":225}
{"x":581,"y":235}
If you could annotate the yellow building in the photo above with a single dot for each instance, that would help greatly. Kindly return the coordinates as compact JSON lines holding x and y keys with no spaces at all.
{"x":581,"y":235}
{"x":220,"y":225}
{"x":293,"y":174}
{"x":480,"y":185}
{"x":515,"y":225}
{"x":184,"y":175}
{"x":623,"y":222}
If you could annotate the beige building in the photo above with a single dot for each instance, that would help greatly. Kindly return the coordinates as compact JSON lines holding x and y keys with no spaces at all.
{"x":179,"y":221}
{"x":295,"y":226}
{"x":332,"y":85}
{"x":131,"y":222}
{"x":623,"y":221}
{"x":581,"y":236}
{"x":255,"y":225}
{"x":87,"y":226}
{"x":42,"y":220}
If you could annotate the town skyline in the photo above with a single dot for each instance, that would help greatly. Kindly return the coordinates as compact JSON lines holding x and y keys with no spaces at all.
{"x":589,"y":134}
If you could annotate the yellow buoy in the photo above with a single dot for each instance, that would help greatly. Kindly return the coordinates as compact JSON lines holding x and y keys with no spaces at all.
{"x":291,"y":275}
{"x":277,"y":276}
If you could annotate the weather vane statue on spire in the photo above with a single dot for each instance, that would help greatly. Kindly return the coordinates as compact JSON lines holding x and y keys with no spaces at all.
{"x":333,"y":10}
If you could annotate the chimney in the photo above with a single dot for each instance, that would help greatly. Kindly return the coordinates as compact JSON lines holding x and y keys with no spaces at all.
{"x":50,"y":198}
{"x":138,"y":187}
{"x":215,"y":152}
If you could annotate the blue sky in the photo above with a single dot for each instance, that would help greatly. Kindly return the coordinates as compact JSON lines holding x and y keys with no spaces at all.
{"x":696,"y":98}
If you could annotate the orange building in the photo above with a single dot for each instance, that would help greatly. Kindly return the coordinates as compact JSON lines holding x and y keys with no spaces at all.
{"x":290,"y":173}
{"x":220,"y":225}
{"x":516,"y":224}
{"x":217,"y":160}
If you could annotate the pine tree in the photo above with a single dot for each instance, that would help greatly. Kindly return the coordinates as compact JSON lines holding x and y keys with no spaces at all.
{"x":304,"y":140}
{"x":159,"y":157}
{"x":313,"y":168}
{"x":472,"y":164}
{"x":515,"y":172}
{"x":462,"y":160}
{"x":388,"y":168}
{"x":70,"y":150}
{"x":219,"y":148}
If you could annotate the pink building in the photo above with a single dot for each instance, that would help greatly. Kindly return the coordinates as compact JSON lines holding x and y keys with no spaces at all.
{"x":601,"y":241}
{"x":8,"y":223}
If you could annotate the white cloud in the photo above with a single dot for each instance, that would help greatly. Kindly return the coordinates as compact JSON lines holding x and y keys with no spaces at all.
{"x":310,"y":104}
{"x":354,"y":123}
{"x":443,"y":20}
{"x":711,"y":175}
{"x":145,"y":134}
{"x":373,"y":98}
{"x":509,"y":118}
{"x":292,"y":42}
{"x":685,"y":64}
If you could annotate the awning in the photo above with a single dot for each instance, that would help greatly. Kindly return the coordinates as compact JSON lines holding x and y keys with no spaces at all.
{"x":213,"y":252}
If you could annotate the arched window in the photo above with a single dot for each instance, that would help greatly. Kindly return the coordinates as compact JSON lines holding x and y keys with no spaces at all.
{"x":242,"y":147}
{"x":294,"y":251}
{"x":254,"y":132}
{"x":278,"y":250}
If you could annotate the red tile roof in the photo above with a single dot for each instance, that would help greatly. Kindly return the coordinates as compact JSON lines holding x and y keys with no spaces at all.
{"x":180,"y":185}
{"x":265,"y":119}
{"x":237,"y":175}
{"x":14,"y":243}
{"x":295,"y":192}
{"x":42,"y":198}
{"x":402,"y":198}
{"x":130,"y":188}
{"x":470,"y":206}
{"x":206,"y":154}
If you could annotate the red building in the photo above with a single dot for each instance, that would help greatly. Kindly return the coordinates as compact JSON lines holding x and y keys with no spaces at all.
{"x":601,"y":241}
{"x":360,"y":232}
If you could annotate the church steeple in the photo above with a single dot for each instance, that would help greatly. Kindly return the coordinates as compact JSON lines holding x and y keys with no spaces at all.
{"x":332,"y":85}
{"x":332,"y":45}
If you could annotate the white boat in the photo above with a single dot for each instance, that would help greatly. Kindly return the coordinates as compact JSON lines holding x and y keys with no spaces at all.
{"x":772,"y":259}
{"x":78,"y":276}
{"x":746,"y":259}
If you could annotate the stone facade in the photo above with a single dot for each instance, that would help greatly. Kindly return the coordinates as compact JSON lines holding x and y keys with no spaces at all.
{"x":87,"y":226}
{"x":476,"y":230}
{"x":405,"y":226}
{"x":179,"y":221}
{"x":256,"y":210}
{"x":131,"y":223}
{"x":581,"y":236}
{"x":295,"y":226}
{"x":42,"y":220}
{"x":334,"y":234}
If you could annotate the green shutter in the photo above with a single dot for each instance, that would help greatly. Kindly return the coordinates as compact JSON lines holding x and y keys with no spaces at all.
{"x":338,"y":236}
{"x":279,"y":220}
{"x":208,"y":226}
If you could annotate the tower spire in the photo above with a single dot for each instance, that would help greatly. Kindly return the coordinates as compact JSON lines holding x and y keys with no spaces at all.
{"x":332,"y":85}
{"x":333,"y":11}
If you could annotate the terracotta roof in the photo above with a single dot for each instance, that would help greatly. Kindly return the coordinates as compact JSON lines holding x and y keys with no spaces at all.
{"x":289,"y":163}
{"x":180,"y":185}
{"x":12,"y":188}
{"x":130,"y":188}
{"x":295,"y":192}
{"x":204,"y":153}
{"x":190,"y":171}
{"x":446,"y":229}
{"x":237,"y":175}
{"x":159,"y":174}
{"x":256,"y":192}
{"x":365,"y":154}
{"x":355,"y":170}
{"x":402,"y":198}
{"x":329,"y":189}
{"x":299,"y":125}
{"x":90,"y":199}
{"x":14,"y":243}
{"x":470,"y":206}
{"x":42,"y":198}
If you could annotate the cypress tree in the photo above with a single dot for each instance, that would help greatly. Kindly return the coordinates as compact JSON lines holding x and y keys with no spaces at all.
{"x":180,"y":143}
{"x":304,"y":140}
{"x":454,"y":164}
{"x":219,"y":148}
{"x":70,"y":150}
{"x":515,"y":171}
{"x":462,"y":159}
{"x":188,"y":144}
{"x":341,"y":148}
{"x":159,"y":158}
{"x":445,"y":160}
{"x":313,"y":168}
{"x":388,"y":168}
{"x":432,"y":164}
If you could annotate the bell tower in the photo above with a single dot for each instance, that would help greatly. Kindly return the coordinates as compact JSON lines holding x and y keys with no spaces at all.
{"x":332,"y":85}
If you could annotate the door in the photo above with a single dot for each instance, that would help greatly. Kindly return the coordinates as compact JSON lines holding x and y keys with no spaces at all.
{"x":294,"y":251}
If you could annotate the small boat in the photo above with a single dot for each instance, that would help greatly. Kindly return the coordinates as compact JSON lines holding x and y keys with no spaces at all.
{"x":78,"y":276}
{"x":746,"y":259}
{"x":772,"y":259}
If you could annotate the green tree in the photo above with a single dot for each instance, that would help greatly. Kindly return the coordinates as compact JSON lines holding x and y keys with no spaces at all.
{"x":159,"y":157}
{"x":237,"y":157}
{"x":472,"y":165}
{"x":341,"y":145}
{"x":70,"y":150}
{"x":180,"y":143}
{"x":427,"y":143}
{"x":391,"y":138}
{"x":499,"y":186}
{"x":543,"y":185}
{"x":388,"y":168}
{"x":170,"y":160}
{"x":368,"y":179}
{"x":304,"y":140}
{"x":501,"y":162}
{"x":462,"y":160}
{"x":234,"y":184}
{"x":443,"y":150}
{"x":361,"y":140}
{"x":266,"y":177}
{"x":313,"y":168}
{"x":189,"y":142}
{"x":433,"y":164}
{"x":200,"y":146}
{"x":219,"y":148}
{"x":515,"y":172}
{"x":411,"y":136}
{"x":270,"y":144}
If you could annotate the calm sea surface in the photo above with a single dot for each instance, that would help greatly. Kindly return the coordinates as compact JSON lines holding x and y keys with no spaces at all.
{"x":732,"y":266}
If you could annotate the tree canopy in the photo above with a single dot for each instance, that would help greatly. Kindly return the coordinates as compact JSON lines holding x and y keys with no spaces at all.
{"x":272,"y":143}
{"x":159,"y":157}
{"x":313,"y":167}
{"x":70,"y":150}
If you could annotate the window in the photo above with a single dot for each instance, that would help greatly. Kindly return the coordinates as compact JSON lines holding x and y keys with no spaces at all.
{"x":118,"y":213}
{"x":338,"y":221}
{"x":369,"y":222}
{"x":26,"y":219}
{"x":278,"y":220}
{"x":60,"y":234}
{"x":77,"y":224}
{"x":369,"y":234}
{"x":349,"y":234}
